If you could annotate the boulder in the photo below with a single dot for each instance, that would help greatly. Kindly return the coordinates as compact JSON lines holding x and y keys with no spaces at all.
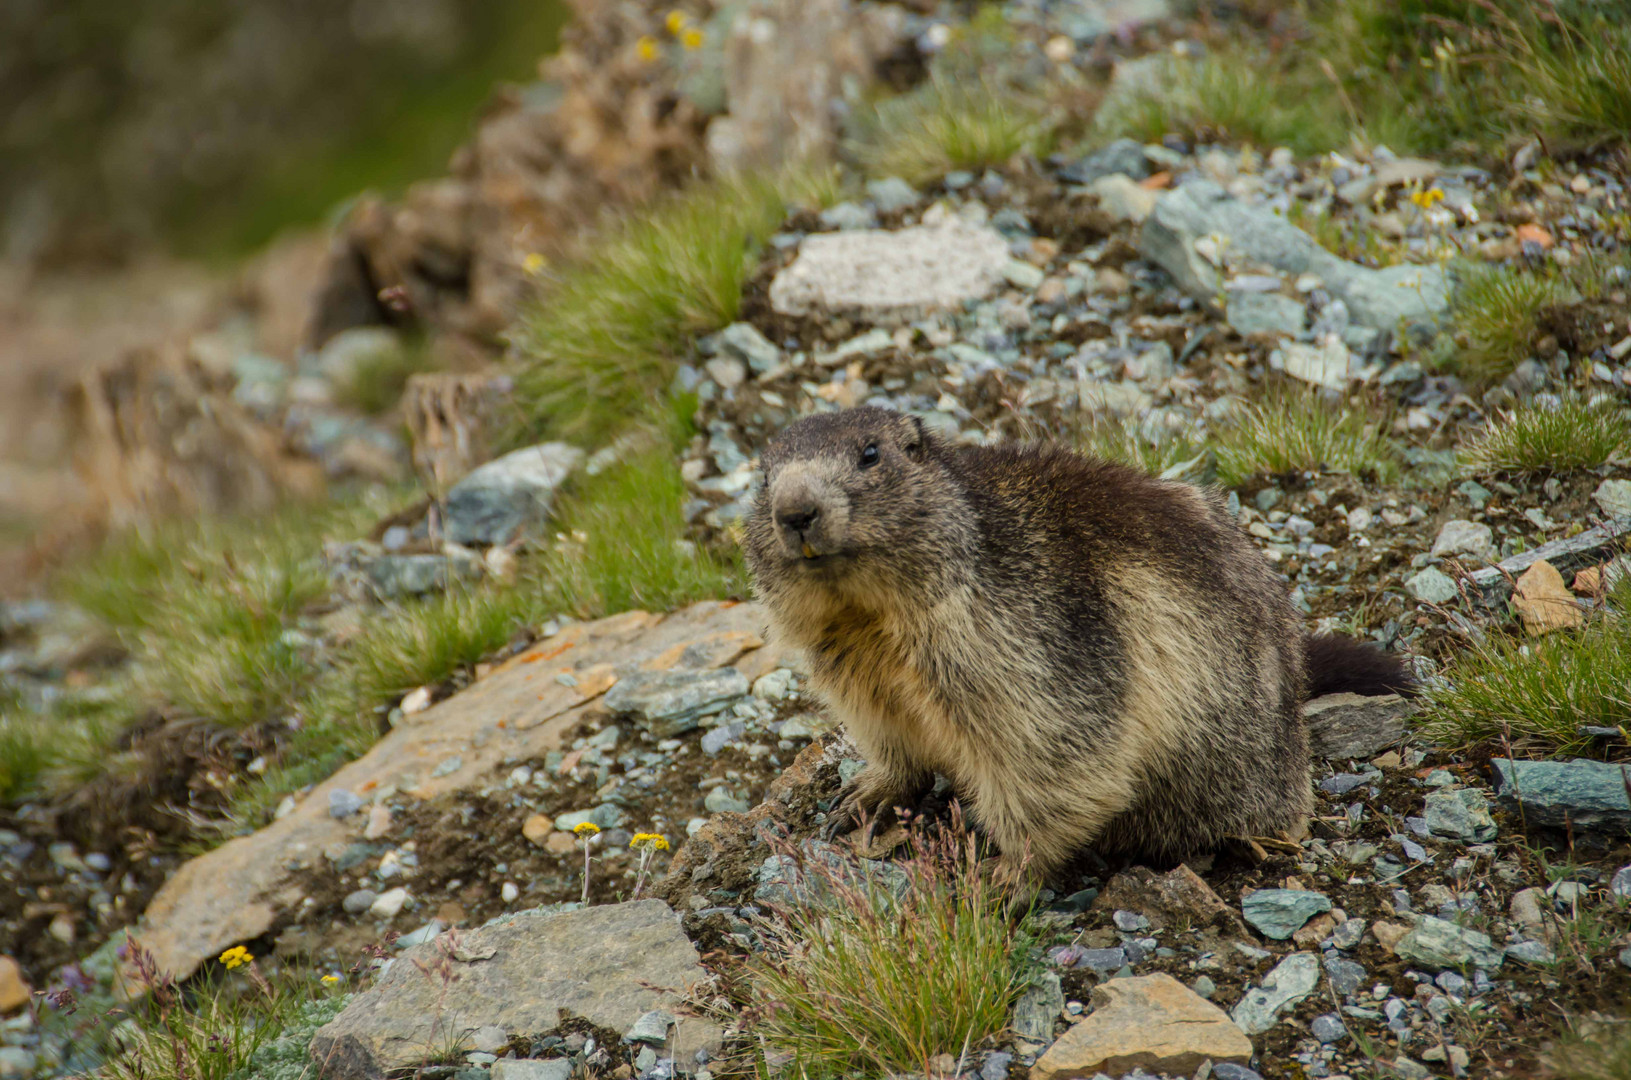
{"x":521,"y":973}
{"x":1279,"y":913}
{"x":1149,"y":1022}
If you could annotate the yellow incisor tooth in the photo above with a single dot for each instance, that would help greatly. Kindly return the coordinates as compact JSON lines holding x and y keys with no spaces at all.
{"x":809,"y":552}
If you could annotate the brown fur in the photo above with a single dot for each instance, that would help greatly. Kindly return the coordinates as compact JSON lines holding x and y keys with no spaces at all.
{"x":1091,"y":656}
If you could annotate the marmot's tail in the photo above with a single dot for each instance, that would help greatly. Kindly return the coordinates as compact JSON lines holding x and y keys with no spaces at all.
{"x":1338,"y":665}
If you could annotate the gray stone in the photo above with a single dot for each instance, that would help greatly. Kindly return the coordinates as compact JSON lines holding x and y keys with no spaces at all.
{"x":995,"y":1066}
{"x":1342,"y":783}
{"x":1347,"y":934}
{"x":1346,"y":976}
{"x":721,"y":800}
{"x":532,"y":1069}
{"x":1265,"y":313}
{"x":1531,"y":952}
{"x":16,"y":1062}
{"x":396,"y":576}
{"x":605,"y":816}
{"x":1379,"y":299}
{"x":1350,"y":726}
{"x":358,"y":902}
{"x":848,"y":215}
{"x":667,"y":703}
{"x":509,"y":496}
{"x":891,"y":193}
{"x":1102,"y":960}
{"x":521,"y":972}
{"x":1625,"y":957}
{"x":1613,"y":497}
{"x":1292,"y":979}
{"x":1583,"y":794}
{"x":1469,"y":538}
{"x":744,"y":342}
{"x":651,"y":1028}
{"x":1435,"y":944}
{"x":1130,"y":921}
{"x":1123,"y":156}
{"x":1038,"y":1008}
{"x":716,"y":739}
{"x":1328,"y":1028}
{"x":1431,"y":585}
{"x":1229,"y":1070}
{"x":891,"y":278}
{"x":1461,"y":815}
{"x":1619,"y":886}
{"x":342,"y":803}
{"x":490,"y":1038}
{"x":350,"y":353}
{"x":1279,"y":913}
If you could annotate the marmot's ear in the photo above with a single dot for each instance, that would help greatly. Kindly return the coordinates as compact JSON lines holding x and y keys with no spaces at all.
{"x":917,"y":439}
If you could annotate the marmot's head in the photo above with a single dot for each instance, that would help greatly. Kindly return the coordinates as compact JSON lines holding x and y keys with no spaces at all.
{"x":845,"y":495}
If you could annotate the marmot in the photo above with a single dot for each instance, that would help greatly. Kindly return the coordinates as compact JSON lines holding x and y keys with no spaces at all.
{"x":1093,"y":657}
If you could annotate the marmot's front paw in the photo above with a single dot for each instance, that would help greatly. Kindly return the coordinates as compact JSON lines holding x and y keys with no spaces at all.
{"x":871,"y":800}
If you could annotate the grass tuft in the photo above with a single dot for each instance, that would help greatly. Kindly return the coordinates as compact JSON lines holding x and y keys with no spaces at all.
{"x":1603,"y":1052}
{"x":947,"y":125}
{"x":1169,"y":454}
{"x":1544,"y":691}
{"x":1228,"y":98}
{"x":1538,"y":438}
{"x":863,"y":979}
{"x":1497,"y":317}
{"x":600,"y":343}
{"x":1297,"y":431}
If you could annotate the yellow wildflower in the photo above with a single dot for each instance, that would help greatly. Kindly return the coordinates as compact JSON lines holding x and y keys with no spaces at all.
{"x":236,"y":957}
{"x":646,"y":47}
{"x":654,"y":841}
{"x":676,"y":21}
{"x":330,"y":980}
{"x":1425,"y":199}
{"x":691,"y":39}
{"x":583,"y":827}
{"x":533,"y":263}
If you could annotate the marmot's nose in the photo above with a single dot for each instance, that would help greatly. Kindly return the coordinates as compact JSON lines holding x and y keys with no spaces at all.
{"x":798,"y":518}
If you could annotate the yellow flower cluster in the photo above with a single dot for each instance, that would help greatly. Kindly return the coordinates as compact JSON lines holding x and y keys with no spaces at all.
{"x":330,"y":980}
{"x":236,"y":957}
{"x":1425,"y":199}
{"x":651,"y":840}
{"x":583,"y":827}
{"x":679,"y":27}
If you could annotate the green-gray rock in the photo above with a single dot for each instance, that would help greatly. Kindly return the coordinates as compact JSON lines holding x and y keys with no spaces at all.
{"x":1279,"y":913}
{"x":1460,"y":815}
{"x":1038,"y":1008}
{"x":1583,"y":794}
{"x":1437,"y":944}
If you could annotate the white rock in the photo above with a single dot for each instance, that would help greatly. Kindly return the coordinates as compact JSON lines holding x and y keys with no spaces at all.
{"x":891,"y":277}
{"x":1460,"y":537}
{"x":1323,"y":365}
{"x":1614,"y":497}
{"x":389,"y":903}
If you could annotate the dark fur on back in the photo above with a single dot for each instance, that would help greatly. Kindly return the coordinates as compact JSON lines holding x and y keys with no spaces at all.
{"x":1092,"y":656}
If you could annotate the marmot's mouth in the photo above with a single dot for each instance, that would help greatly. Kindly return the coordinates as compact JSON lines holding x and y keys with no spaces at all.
{"x":810,"y":552}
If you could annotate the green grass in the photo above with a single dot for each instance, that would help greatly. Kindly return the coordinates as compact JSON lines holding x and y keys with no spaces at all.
{"x":599,"y":345}
{"x":1575,"y":434}
{"x":24,"y":753}
{"x":1597,"y":1052}
{"x":1497,"y":317}
{"x":1539,"y":693}
{"x":866,"y":982}
{"x":1231,"y":97}
{"x":1296,"y":431}
{"x":1172,"y":454}
{"x":947,"y":125}
{"x":377,"y":382}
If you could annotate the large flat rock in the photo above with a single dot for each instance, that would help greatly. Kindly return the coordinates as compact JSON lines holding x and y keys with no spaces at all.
{"x":1343,"y":727}
{"x":890,"y":278}
{"x":243,"y":888}
{"x":522,"y":973}
{"x":1149,"y":1022}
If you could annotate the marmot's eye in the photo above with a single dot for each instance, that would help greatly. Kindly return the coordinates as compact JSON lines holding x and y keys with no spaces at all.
{"x":869,"y":456}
